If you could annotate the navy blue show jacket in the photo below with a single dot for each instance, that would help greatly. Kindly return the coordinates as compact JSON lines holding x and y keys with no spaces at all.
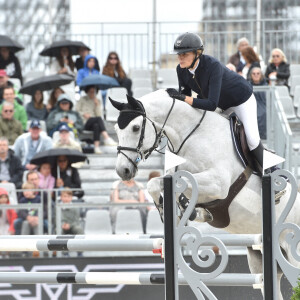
{"x":215,"y":85}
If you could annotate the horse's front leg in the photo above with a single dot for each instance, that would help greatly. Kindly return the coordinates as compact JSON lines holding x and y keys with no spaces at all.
{"x":155,"y":188}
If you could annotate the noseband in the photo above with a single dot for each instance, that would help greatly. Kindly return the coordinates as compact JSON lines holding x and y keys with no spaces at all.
{"x":143,"y":155}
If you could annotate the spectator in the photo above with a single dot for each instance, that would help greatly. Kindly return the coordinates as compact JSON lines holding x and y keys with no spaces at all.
{"x":63,"y":64}
{"x":10,"y":63}
{"x":19,"y":110}
{"x":7,"y":216}
{"x":252,"y":61}
{"x":231,"y":67}
{"x":113,"y":68}
{"x":53,"y":98}
{"x":4,"y":82}
{"x":278,"y":68}
{"x":89,"y":108}
{"x":70,"y":216}
{"x":237,"y":59}
{"x":63,"y":113}
{"x":257,"y":79}
{"x":89,"y":68}
{"x":29,"y":144}
{"x":8,"y":125}
{"x":36,"y":109}
{"x":46,"y":180}
{"x":128,"y":192}
{"x":65,"y":140}
{"x":10,"y":165}
{"x":83,"y":52}
{"x":67,"y":176}
{"x":28,"y":220}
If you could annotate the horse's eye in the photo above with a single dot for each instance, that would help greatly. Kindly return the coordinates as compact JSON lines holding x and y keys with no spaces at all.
{"x":135,"y":128}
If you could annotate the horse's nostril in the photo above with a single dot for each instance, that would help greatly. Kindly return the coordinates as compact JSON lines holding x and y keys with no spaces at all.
{"x":126,"y":171}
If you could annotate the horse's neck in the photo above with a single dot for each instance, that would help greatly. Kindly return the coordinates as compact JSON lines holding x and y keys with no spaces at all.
{"x":180,"y":122}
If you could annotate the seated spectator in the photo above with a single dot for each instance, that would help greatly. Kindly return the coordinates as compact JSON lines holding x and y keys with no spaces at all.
{"x":7,"y":216}
{"x":4,"y":82}
{"x":9,"y":127}
{"x":89,"y":108}
{"x":278,"y":68}
{"x":65,"y":140}
{"x":237,"y":58}
{"x":70,"y":216}
{"x":128,"y":192}
{"x":53,"y":98}
{"x":19,"y":110}
{"x":28,"y":220}
{"x":89,"y":68}
{"x":10,"y":165}
{"x":257,"y":79}
{"x":10,"y":63}
{"x":252,"y":61}
{"x":63,"y":114}
{"x":29,"y":144}
{"x":63,"y":64}
{"x":79,"y":63}
{"x":67,"y":176}
{"x":46,"y":180}
{"x":36,"y":109}
{"x":113,"y":68}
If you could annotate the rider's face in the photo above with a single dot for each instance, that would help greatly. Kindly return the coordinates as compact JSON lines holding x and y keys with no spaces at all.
{"x":186,"y":59}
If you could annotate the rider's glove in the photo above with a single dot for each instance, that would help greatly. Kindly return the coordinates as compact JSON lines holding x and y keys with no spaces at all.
{"x":173,"y":93}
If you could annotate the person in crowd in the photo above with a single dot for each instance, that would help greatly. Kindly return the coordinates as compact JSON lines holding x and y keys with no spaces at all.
{"x":113,"y":68}
{"x":231,"y":67}
{"x":28,"y":145}
{"x":79,"y":63}
{"x":90,"y":110}
{"x":257,"y":79}
{"x":237,"y":58}
{"x":129,"y":192}
{"x":89,"y":68}
{"x":70,"y":216}
{"x":46,"y":180}
{"x":216,"y":87}
{"x":36,"y":109}
{"x":9,"y":127}
{"x":11,"y":64}
{"x":4,"y":82}
{"x":252,"y":61}
{"x":63,"y":114}
{"x":67,"y":176}
{"x":278,"y":68}
{"x":63,"y":64}
{"x":28,"y":220}
{"x":19,"y":110}
{"x":7,"y":216}
{"x":53,"y":98}
{"x":10,"y":165}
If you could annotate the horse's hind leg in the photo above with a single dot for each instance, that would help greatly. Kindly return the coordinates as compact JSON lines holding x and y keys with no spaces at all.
{"x":255,"y":265}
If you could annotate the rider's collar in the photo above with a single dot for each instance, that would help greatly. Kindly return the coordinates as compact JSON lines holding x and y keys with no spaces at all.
{"x":126,"y":116}
{"x":194,"y":70}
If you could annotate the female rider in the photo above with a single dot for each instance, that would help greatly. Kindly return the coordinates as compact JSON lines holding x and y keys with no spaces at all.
{"x":216,"y":86}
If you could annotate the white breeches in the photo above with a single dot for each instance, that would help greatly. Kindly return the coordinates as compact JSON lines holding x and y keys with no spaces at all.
{"x":247,"y":113}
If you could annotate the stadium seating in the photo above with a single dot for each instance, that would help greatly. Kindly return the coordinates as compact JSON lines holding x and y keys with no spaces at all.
{"x":129,"y":221}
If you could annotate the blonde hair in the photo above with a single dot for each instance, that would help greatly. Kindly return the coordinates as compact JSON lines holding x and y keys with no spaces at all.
{"x":66,"y":191}
{"x":281,"y":53}
{"x":28,"y":186}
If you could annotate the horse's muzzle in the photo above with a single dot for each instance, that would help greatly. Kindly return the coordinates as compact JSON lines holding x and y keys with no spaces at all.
{"x":126,"y":173}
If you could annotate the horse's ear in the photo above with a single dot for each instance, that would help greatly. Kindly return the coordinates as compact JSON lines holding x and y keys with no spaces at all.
{"x":135,"y":104}
{"x":118,"y":105}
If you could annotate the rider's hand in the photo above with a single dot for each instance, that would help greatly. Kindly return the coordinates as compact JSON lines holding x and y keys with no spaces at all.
{"x":173,"y":93}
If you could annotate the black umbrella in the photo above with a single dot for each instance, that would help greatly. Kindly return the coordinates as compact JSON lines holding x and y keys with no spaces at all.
{"x":50,"y":156}
{"x":6,"y":41}
{"x":45,"y":83}
{"x":103,"y":82}
{"x":54,"y":48}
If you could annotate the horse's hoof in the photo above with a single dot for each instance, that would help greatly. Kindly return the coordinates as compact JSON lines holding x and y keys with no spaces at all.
{"x":278,"y":195}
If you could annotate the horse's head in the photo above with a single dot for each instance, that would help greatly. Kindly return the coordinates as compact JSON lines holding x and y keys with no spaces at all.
{"x":137,"y":136}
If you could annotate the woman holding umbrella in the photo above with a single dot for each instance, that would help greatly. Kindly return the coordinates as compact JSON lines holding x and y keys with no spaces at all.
{"x":63,"y":64}
{"x":36,"y":110}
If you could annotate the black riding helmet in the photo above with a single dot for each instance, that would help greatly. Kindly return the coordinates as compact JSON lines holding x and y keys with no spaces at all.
{"x":188,"y":42}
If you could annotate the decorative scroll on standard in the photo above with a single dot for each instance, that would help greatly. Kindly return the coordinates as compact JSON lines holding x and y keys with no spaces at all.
{"x":193,"y":241}
{"x":290,"y":231}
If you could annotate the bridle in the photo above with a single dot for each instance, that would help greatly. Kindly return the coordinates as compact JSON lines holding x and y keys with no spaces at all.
{"x":143,"y":155}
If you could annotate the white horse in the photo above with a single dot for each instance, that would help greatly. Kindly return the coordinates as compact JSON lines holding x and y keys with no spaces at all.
{"x":210,"y":157}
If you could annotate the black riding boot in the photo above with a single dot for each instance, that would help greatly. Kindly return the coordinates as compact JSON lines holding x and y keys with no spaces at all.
{"x":258,"y":154}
